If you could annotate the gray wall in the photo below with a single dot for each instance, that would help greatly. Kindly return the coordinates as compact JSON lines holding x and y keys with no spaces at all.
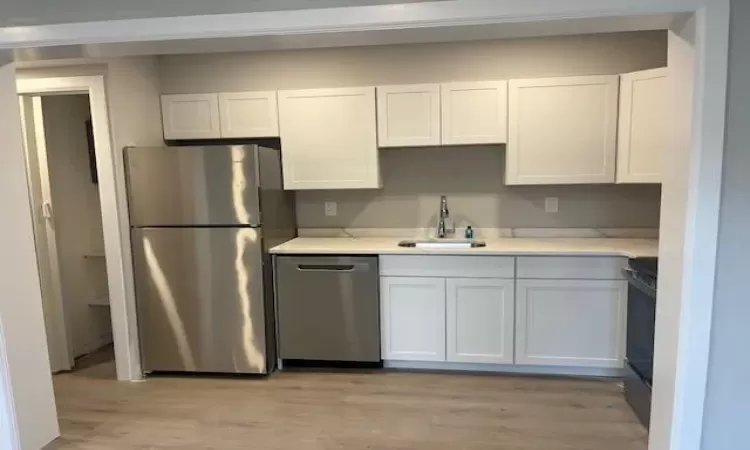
{"x":414,"y":63}
{"x":472,"y":177}
{"x":726,"y":417}
{"x":78,"y":221}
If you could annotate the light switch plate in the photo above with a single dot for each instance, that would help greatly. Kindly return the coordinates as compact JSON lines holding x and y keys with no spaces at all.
{"x":331,"y":209}
{"x":551,"y":204}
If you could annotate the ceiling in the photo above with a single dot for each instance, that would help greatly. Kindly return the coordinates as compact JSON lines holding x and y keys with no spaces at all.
{"x":44,"y":12}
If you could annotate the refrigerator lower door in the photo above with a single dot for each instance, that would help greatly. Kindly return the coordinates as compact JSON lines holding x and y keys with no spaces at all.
{"x":199,"y":296}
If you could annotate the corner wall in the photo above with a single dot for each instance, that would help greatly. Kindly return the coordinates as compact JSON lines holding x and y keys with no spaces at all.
{"x":28,"y":371}
{"x":135,"y":118}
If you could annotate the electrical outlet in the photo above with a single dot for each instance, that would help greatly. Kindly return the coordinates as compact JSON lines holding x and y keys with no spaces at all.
{"x":551,"y":204}
{"x":331,"y":209}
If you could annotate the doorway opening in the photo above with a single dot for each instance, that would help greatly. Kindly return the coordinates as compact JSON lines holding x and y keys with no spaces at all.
{"x":67,"y":215}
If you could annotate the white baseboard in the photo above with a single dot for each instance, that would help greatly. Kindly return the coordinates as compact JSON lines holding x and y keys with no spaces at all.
{"x":95,"y":344}
{"x":503,"y":368}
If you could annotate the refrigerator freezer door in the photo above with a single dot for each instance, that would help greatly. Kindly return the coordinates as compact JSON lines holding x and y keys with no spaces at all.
{"x":179,"y":186}
{"x":200,"y":300}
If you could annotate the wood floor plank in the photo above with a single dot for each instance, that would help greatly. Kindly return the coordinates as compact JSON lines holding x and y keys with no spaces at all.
{"x":343,"y":410}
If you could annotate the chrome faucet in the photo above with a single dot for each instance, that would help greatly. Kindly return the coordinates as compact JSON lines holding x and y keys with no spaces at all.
{"x":442,"y":230}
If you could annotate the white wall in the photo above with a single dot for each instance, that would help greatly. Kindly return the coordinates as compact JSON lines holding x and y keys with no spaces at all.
{"x":78,"y":221}
{"x":671,"y":242}
{"x":726,"y":416}
{"x":26,"y":354}
{"x":689,"y":228}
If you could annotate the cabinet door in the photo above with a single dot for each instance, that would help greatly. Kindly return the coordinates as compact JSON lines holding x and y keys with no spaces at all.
{"x":571,"y":322}
{"x":409,"y":116}
{"x":329,"y":138}
{"x":643,"y":128}
{"x":413,"y":318}
{"x":475,"y":112}
{"x":562,"y":130}
{"x":249,"y":114}
{"x":480,"y":320}
{"x":190,"y":116}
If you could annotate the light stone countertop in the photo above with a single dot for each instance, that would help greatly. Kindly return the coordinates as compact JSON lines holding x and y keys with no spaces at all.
{"x":631,"y":248}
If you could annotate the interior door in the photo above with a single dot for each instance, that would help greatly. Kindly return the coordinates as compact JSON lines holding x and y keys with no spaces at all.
{"x":37,"y":171}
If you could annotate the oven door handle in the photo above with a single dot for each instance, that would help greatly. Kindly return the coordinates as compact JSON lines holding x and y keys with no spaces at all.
{"x":638,"y":284}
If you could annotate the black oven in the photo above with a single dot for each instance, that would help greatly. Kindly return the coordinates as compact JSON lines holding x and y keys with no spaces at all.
{"x":641,"y":319}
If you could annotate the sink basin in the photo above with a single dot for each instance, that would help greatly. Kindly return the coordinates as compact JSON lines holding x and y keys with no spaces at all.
{"x":443,"y":243}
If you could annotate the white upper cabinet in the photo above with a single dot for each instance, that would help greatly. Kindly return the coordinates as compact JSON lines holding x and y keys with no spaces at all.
{"x":329,"y":138}
{"x":190,"y":116}
{"x":412,"y":318}
{"x":249,"y":114}
{"x":576,"y":323}
{"x":475,"y":112}
{"x":562,"y":130}
{"x":409,"y":116}
{"x":644,"y":126}
{"x":480,"y":320}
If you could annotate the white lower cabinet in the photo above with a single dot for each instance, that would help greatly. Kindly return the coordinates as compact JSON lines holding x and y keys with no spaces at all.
{"x":480,"y":320}
{"x":578,"y":323}
{"x":413,"y":318}
{"x":467,"y":320}
{"x":524,"y":314}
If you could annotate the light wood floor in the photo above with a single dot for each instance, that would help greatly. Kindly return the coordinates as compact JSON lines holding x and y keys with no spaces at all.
{"x":351,"y":411}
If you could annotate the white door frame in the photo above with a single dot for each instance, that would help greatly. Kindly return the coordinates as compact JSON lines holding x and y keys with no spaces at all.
{"x":37,"y":172}
{"x":125,"y":352}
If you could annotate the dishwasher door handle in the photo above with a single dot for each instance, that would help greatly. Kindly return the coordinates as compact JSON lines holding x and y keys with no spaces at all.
{"x":326,"y":267}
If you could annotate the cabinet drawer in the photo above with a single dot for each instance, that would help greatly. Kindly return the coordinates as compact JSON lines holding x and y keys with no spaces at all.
{"x":447,"y":266}
{"x":575,"y":267}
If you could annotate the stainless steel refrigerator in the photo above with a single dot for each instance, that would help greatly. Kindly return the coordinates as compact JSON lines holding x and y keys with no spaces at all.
{"x":202,"y":221}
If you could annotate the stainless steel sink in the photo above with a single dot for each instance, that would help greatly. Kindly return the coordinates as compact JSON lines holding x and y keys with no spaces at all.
{"x":442,"y":243}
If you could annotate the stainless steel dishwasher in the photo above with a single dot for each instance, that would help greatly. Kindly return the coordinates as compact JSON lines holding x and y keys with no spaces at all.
{"x":328,"y":308}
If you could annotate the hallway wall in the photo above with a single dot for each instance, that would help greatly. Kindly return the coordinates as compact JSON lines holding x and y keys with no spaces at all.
{"x":78,"y":221}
